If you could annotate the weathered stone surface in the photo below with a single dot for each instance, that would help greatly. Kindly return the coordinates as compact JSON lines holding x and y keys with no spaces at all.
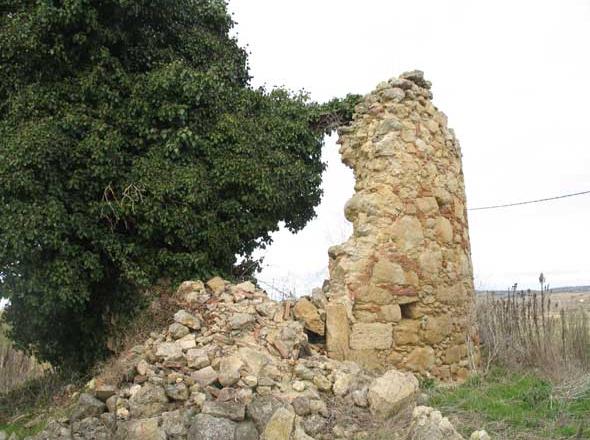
{"x":428,"y":424}
{"x":229,"y":370}
{"x":246,"y":431}
{"x":148,"y":401}
{"x":480,"y":435}
{"x":175,"y":423}
{"x":305,"y":311}
{"x":407,"y":332}
{"x":141,"y":429}
{"x":229,"y":410}
{"x":104,"y":391}
{"x":279,"y":426}
{"x":409,"y":255}
{"x":391,"y":392}
{"x":197,"y":358}
{"x":187,"y":319}
{"x":177,"y":330}
{"x":337,"y":331}
{"x":437,"y":328}
{"x":420,"y":359}
{"x":217,"y":285}
{"x":91,"y":428}
{"x":177,"y":391}
{"x":241,"y":320}
{"x":206,"y":427}
{"x":205,"y":376}
{"x":87,"y":406}
{"x":169,"y":351}
{"x":371,"y":336}
{"x":261,"y":409}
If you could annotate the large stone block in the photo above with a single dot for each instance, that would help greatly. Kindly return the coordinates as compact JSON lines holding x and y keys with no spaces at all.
{"x":437,"y":328}
{"x":420,"y":359}
{"x":371,"y":335}
{"x":406,"y":332}
{"x":392,"y":392}
{"x":337,"y":331}
{"x":305,"y":311}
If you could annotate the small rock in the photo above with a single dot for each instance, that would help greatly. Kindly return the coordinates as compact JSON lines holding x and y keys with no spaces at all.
{"x":314,"y":424}
{"x":142,"y":367}
{"x":111,"y":403}
{"x":197,"y":358}
{"x":359,"y":397}
{"x":342,"y":384}
{"x":298,"y":386}
{"x":241,"y":320}
{"x":318,"y":406}
{"x":103,"y":391}
{"x":301,"y":406}
{"x":87,"y":406}
{"x":169,"y":351}
{"x":261,"y":409}
{"x":250,"y":380}
{"x":175,"y":423}
{"x":149,"y":401}
{"x":217,"y":285}
{"x":141,"y":429}
{"x":177,"y":330}
{"x":480,"y":435}
{"x":428,"y":424}
{"x":322,"y":382}
{"x":303,"y":372}
{"x":178,"y":391}
{"x":229,"y":370}
{"x":394,"y":94}
{"x":187,"y":342}
{"x":391,"y":392}
{"x":205,"y":376}
{"x":229,"y":410}
{"x":305,"y":311}
{"x":185,"y":318}
{"x":206,"y":427}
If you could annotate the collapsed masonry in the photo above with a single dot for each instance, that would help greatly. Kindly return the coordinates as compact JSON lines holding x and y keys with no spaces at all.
{"x":401,"y":288}
{"x":235,"y":365}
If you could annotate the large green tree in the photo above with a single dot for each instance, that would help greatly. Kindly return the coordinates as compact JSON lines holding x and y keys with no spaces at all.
{"x":133,"y":148}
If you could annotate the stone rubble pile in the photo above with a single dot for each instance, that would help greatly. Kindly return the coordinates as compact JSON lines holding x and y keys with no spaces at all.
{"x":235,"y":365}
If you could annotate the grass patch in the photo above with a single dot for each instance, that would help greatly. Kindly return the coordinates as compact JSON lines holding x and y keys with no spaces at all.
{"x":513,"y":405}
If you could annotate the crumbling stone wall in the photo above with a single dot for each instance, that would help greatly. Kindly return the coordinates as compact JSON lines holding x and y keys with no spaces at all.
{"x":401,"y":288}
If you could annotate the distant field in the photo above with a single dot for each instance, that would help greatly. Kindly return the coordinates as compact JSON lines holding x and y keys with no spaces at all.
{"x":566,"y":300}
{"x":572,"y":300}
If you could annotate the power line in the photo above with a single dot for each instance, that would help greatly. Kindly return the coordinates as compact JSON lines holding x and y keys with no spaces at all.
{"x":530,"y":201}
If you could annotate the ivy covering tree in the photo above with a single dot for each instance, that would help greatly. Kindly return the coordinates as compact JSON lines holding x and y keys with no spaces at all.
{"x":133,"y":148}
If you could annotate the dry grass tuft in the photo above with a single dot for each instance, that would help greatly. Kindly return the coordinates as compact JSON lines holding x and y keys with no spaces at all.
{"x":529,"y":330}
{"x":16,"y":366}
{"x":126,"y":335}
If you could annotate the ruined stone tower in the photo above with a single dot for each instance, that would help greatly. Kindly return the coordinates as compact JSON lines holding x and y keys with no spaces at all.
{"x":401,"y":288}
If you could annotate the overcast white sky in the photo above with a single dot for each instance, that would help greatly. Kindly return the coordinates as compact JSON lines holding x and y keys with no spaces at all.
{"x":513,"y":77}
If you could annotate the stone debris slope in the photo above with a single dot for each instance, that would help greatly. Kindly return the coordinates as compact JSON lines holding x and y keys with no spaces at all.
{"x":235,"y":365}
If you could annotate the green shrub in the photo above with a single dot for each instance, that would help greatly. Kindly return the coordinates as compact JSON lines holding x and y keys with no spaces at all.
{"x":132,"y":148}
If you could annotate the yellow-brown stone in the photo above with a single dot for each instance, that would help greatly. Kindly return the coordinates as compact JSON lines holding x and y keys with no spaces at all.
{"x":403,"y":281}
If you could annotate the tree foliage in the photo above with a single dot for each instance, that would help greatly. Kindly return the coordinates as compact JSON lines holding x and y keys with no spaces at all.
{"x":132,"y":148}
